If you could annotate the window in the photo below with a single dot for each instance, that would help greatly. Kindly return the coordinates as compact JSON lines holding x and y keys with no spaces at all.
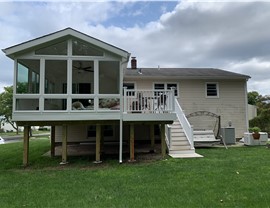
{"x":82,"y":77}
{"x":55,"y":76}
{"x":109,"y":73}
{"x":56,"y":49}
{"x":167,"y":86}
{"x":107,"y":131}
{"x":173,"y":85}
{"x":82,"y":48}
{"x":55,"y":104}
{"x":130,"y":86}
{"x":27,"y":104}
{"x":28,"y":76}
{"x":212,"y":90}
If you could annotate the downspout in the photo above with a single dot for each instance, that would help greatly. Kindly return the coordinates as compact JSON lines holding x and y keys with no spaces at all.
{"x":121,"y":111}
{"x":246,"y":104}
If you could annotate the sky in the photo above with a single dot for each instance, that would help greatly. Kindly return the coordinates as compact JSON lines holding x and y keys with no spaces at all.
{"x":229,"y":35}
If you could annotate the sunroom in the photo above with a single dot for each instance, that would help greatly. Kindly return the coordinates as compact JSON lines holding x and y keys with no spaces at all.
{"x":69,"y":80}
{"x":64,"y":74}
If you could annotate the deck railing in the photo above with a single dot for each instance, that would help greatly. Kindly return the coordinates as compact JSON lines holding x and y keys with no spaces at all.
{"x":148,"y":101}
{"x":185,"y":123}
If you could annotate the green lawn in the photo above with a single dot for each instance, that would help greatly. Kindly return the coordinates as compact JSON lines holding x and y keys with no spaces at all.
{"x":14,"y":133}
{"x":237,"y":177}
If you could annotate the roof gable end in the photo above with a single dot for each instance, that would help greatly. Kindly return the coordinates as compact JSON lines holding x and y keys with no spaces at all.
{"x":61,"y":34}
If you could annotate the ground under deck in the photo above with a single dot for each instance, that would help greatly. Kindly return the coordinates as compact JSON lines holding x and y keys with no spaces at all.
{"x":110,"y":150}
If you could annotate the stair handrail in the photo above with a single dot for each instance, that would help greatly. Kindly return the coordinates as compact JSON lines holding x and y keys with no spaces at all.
{"x":168,"y":136}
{"x":188,"y":129}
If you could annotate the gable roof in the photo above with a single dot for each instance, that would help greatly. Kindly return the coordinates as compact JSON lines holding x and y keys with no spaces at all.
{"x":182,"y":73}
{"x":10,"y":51}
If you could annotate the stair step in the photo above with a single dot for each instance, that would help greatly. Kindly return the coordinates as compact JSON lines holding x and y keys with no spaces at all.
{"x":180,"y":143}
{"x":178,"y":134}
{"x":190,"y":151}
{"x":176,"y":126}
{"x":175,"y":141}
{"x":178,"y":139}
{"x":177,"y":130}
{"x":185,"y":155}
{"x":178,"y":148}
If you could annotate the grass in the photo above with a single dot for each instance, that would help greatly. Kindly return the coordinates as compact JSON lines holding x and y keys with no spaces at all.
{"x":237,"y":177}
{"x":14,"y":133}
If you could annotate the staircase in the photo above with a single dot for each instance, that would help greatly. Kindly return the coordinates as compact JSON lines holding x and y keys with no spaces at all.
{"x":179,"y":146}
{"x":180,"y":142}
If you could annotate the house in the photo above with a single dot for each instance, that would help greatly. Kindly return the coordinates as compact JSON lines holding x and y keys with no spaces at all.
{"x":82,"y":88}
{"x":252,"y":111}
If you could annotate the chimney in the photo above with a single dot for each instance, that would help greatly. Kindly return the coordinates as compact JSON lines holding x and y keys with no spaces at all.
{"x":133,"y":63}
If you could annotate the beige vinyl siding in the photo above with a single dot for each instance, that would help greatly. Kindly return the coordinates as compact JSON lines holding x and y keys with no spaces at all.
{"x":76,"y":133}
{"x":144,"y":84}
{"x":230,"y":105}
{"x":79,"y":133}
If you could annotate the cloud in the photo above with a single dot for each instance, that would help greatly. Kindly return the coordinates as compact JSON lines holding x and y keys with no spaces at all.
{"x":227,"y":35}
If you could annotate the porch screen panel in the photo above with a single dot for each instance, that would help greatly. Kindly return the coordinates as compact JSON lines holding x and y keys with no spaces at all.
{"x":109,"y":77}
{"x":27,"y":104}
{"x":28,"y":76}
{"x":55,"y":104}
{"x":55,"y":77}
{"x":83,"y":77}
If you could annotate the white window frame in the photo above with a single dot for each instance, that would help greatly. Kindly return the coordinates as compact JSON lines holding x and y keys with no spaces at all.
{"x":217,"y":90}
{"x":135,"y":87}
{"x":166,"y":86}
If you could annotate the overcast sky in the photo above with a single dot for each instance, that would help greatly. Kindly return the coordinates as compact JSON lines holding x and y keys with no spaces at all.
{"x":234,"y":36}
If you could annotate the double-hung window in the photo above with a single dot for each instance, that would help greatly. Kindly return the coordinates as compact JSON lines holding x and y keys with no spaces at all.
{"x":130,"y":86}
{"x":212,"y":90}
{"x":167,"y":86}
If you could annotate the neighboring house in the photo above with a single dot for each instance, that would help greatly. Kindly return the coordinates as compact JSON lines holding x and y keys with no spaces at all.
{"x":6,"y":127}
{"x":81,"y":87}
{"x":252,"y":111}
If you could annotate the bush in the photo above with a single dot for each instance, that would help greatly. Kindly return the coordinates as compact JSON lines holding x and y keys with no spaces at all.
{"x":262,"y":121}
{"x":43,"y":128}
{"x":254,"y":129}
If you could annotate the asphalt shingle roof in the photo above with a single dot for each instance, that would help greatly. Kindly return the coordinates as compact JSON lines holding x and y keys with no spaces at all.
{"x":184,"y":73}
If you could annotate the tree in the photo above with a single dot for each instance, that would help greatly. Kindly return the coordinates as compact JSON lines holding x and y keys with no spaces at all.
{"x":6,"y":103}
{"x":253,"y":97}
{"x":263,"y":106}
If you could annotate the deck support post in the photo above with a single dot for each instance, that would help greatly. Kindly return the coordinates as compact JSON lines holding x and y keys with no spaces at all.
{"x":64,"y":145}
{"x":163,"y":142}
{"x":52,"y":141}
{"x":131,"y":143}
{"x":98,"y":140}
{"x":152,"y":137}
{"x":26,"y":146}
{"x":121,"y":142}
{"x":102,"y":140}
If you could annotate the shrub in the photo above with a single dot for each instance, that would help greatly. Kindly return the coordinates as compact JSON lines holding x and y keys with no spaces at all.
{"x":254,"y":129}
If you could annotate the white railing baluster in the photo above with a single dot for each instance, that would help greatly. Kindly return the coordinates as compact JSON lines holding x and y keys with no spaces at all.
{"x":148,"y":101}
{"x":188,"y":129}
{"x":125,"y":103}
